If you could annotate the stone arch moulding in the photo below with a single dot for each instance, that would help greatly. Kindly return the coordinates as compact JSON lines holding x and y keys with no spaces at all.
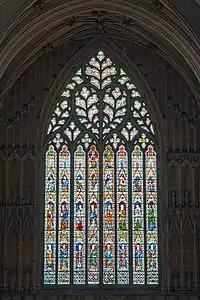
{"x":176,"y":34}
{"x":161,"y":138}
{"x":134,"y":74}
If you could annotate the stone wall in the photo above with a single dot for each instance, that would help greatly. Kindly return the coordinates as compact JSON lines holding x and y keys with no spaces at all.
{"x":22,"y":123}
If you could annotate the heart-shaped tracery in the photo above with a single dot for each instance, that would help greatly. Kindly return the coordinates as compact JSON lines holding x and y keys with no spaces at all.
{"x":114,"y":107}
{"x":100,"y":182}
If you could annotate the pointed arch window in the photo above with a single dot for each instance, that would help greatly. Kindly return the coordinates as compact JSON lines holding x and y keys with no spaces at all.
{"x":100,"y":182}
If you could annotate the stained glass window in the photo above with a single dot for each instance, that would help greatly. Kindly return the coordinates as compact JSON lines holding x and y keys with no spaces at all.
{"x":100,"y":225}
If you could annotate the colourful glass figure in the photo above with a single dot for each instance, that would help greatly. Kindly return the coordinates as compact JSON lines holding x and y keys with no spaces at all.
{"x":138,"y":258}
{"x":79,"y":256}
{"x":79,"y":180}
{"x":122,"y":216}
{"x":137,"y":184}
{"x":151,"y":216}
{"x":138,"y":224}
{"x":64,"y":257}
{"x":108,"y":182}
{"x":93,"y":212}
{"x":152,"y":256}
{"x":123,"y":261}
{"x":79,"y":209}
{"x":64,"y":216}
{"x":93,"y":157}
{"x":108,"y":256}
{"x":93,"y":257}
{"x":50,"y":257}
{"x":108,"y":157}
{"x":65,"y":183}
{"x":79,"y":225}
{"x":109,"y":215}
{"x":50,"y":215}
{"x":137,"y":207}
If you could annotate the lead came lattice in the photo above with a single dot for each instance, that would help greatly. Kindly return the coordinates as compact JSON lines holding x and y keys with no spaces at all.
{"x":100,"y":182}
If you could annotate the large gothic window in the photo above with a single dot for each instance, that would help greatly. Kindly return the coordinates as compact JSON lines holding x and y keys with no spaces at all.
{"x":100,"y":182}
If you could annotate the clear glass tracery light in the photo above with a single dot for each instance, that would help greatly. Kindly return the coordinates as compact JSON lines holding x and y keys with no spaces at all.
{"x":100,"y":182}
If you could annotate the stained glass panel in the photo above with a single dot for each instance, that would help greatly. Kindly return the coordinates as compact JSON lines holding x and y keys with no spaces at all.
{"x":151,"y":216}
{"x":64,"y":217}
{"x":79,"y":216}
{"x":138,"y":216}
{"x":50,"y":217}
{"x":108,"y":216}
{"x":122,"y":217}
{"x":93,"y":216}
{"x":100,"y":175}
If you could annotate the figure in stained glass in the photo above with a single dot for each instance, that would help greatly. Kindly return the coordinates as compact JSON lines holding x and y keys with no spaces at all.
{"x":79,"y":225}
{"x":138,"y":224}
{"x":65,"y":182}
{"x":152,"y":256}
{"x":93,"y":256}
{"x":108,"y":157}
{"x":64,"y":154}
{"x":123,"y":262}
{"x":49,"y":257}
{"x":64,"y":216}
{"x":122,"y":180}
{"x":108,"y":256}
{"x":108,"y":182}
{"x":137,"y":207}
{"x":138,"y":257}
{"x":93,"y":156}
{"x":137,"y":184}
{"x":108,"y":215}
{"x":79,"y":216}
{"x":151,"y":216}
{"x":79,"y":209}
{"x":151,"y":183}
{"x":93,"y":212}
{"x":79,"y":256}
{"x":64,"y":257}
{"x":50,"y":215}
{"x":93,"y":178}
{"x":79,"y":178}
{"x":122,"y":216}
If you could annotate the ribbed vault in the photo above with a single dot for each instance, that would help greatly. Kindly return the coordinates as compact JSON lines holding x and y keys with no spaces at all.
{"x":45,"y":25}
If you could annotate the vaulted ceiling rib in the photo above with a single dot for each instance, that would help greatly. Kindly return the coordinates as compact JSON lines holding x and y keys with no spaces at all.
{"x":42,"y":24}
